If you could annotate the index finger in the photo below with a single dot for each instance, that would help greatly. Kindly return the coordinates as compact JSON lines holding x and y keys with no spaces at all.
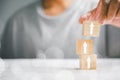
{"x":101,"y":11}
{"x":113,"y":8}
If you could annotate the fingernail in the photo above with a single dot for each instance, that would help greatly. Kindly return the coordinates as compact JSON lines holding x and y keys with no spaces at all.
{"x":107,"y":1}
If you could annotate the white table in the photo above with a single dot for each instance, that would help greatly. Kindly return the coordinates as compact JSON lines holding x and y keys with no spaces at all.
{"x":35,"y":69}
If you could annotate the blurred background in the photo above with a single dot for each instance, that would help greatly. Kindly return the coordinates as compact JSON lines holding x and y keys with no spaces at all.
{"x":8,"y":8}
{"x":110,"y":36}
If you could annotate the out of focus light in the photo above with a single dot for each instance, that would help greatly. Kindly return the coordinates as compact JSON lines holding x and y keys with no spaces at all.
{"x":54,"y":52}
{"x":23,"y":74}
{"x":64,"y":75}
{"x":41,"y":55}
{"x":2,"y":66}
{"x":16,"y":69}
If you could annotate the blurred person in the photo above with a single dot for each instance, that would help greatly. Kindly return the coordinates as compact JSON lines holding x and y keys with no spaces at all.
{"x":49,"y":24}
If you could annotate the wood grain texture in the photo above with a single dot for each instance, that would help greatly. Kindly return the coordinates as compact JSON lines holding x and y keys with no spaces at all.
{"x":84,"y":62}
{"x":87,"y":28}
{"x":80,"y":46}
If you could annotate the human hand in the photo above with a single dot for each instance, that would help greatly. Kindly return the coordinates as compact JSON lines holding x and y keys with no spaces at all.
{"x":107,"y":12}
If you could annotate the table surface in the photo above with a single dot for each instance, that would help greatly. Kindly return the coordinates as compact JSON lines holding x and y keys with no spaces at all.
{"x":68,"y":69}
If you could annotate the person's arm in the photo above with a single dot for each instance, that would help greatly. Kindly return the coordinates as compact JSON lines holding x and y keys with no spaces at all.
{"x":105,"y":13}
{"x":7,"y":41}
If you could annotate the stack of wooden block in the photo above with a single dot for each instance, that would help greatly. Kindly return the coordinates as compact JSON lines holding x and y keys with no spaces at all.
{"x":85,"y":47}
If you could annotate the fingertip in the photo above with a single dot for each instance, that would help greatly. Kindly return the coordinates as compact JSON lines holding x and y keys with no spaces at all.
{"x":81,"y":21}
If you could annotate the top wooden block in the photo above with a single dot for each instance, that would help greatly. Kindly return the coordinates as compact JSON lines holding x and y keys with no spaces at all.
{"x":91,"y":28}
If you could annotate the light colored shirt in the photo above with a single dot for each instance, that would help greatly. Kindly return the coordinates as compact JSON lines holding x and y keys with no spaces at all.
{"x":30,"y":33}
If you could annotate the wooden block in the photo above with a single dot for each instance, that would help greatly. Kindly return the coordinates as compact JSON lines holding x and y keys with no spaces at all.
{"x":88,"y":62}
{"x":84,"y":47}
{"x":91,"y":28}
